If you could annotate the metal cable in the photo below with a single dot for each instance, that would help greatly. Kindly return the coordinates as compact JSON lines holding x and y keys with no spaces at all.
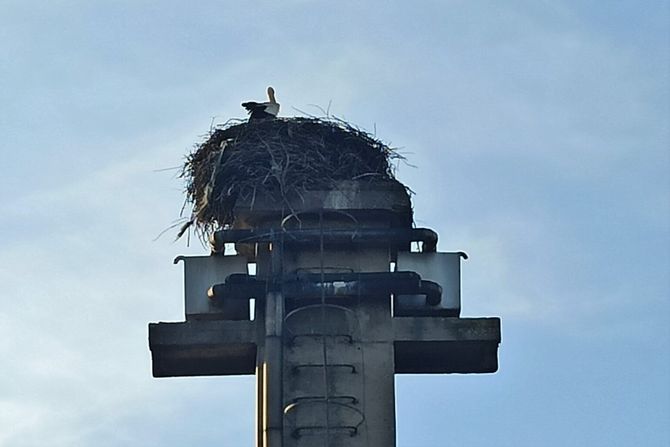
{"x":323,"y":325}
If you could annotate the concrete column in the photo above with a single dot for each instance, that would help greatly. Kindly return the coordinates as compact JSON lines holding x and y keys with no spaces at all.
{"x":337,"y":379}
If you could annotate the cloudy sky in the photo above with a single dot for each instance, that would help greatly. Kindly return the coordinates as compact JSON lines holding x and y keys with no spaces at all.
{"x":539,"y":132}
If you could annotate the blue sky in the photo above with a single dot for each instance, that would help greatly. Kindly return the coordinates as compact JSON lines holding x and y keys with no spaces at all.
{"x":540,"y":134}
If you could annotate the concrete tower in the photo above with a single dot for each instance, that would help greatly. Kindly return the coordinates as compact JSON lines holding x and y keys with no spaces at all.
{"x":345,"y":294}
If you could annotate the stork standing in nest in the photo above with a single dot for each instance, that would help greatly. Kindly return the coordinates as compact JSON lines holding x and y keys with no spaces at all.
{"x":263,"y":110}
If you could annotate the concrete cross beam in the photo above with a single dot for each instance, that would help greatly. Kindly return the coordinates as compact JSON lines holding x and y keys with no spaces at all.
{"x":422,"y":345}
{"x":446,"y":345}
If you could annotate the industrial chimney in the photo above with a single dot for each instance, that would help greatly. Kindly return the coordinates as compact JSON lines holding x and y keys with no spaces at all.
{"x":317,"y":283}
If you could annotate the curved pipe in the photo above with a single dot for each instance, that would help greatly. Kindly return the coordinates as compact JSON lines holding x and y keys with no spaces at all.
{"x":243,"y":286}
{"x":433,"y":292}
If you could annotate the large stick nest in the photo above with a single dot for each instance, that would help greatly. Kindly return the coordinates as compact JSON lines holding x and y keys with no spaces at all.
{"x":281,"y":158}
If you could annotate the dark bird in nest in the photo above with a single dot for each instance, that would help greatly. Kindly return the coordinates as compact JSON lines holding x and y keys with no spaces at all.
{"x":263,"y":110}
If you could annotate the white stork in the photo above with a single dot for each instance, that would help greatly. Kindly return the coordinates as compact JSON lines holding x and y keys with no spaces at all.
{"x":263,"y":110}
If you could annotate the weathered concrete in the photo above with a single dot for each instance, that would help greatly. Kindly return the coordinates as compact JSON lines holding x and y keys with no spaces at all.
{"x":343,"y":368}
{"x":446,"y":345}
{"x":421,"y":346}
{"x":325,"y":367}
{"x":387,"y":204}
{"x":202,"y":348}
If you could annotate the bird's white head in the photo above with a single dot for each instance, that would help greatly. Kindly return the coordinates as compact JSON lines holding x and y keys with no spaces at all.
{"x":271,"y":95}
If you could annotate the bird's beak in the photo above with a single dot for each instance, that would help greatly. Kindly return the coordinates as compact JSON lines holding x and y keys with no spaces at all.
{"x":271,"y":95}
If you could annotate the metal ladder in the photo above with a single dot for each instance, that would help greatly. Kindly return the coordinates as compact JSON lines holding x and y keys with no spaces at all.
{"x":339,"y":412}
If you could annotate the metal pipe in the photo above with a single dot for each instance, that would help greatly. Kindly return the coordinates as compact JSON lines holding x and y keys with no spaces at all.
{"x":306,"y":285}
{"x":396,"y":237}
{"x":260,"y":375}
{"x":273,"y":407}
{"x":260,"y":397}
{"x":273,"y":415}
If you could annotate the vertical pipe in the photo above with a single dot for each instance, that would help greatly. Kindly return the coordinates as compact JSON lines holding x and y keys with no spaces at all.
{"x":273,"y":414}
{"x":273,"y":394}
{"x":260,"y":386}
{"x":324,"y":337}
{"x":260,"y":381}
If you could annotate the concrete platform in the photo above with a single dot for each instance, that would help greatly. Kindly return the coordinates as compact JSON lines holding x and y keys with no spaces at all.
{"x":423,"y":345}
{"x":203,"y":348}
